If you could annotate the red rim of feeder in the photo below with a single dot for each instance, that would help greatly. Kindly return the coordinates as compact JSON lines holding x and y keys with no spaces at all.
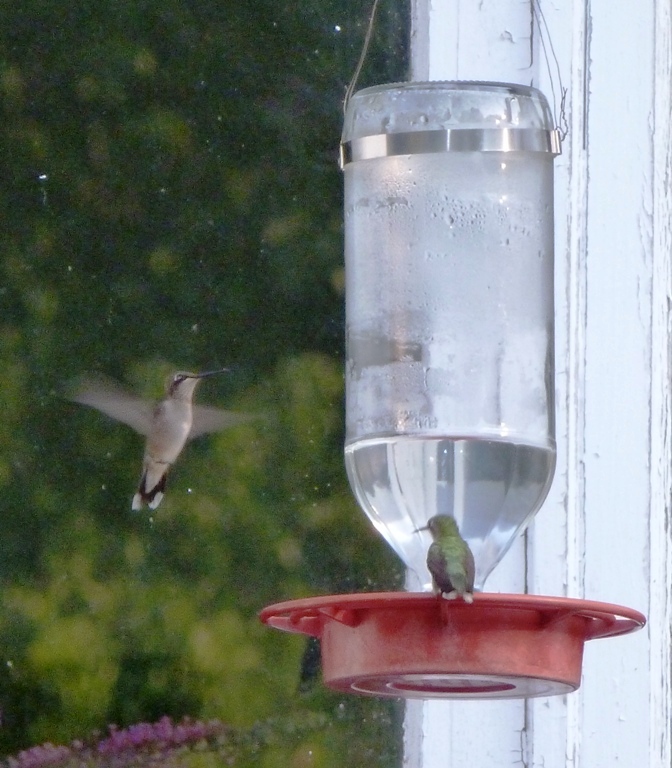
{"x":418,"y":645}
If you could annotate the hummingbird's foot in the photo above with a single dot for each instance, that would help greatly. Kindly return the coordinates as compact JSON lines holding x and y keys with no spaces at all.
{"x":454,"y":594}
{"x":450,"y":595}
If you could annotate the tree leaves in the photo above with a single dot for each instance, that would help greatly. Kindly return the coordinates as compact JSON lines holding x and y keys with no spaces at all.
{"x":171,"y":200}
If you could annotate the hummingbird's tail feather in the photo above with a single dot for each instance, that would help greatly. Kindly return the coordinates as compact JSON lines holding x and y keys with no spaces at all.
{"x":151,"y":497}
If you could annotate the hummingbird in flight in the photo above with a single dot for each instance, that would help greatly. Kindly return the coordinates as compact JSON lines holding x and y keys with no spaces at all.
{"x":167,"y":425}
{"x":449,"y":559}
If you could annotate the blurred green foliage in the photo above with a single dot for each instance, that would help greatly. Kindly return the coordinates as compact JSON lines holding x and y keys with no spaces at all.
{"x":170,"y":199}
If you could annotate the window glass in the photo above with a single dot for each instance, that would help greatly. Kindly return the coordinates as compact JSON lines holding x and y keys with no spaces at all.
{"x":171,"y":201}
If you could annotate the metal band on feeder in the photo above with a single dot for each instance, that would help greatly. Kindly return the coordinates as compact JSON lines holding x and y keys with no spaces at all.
{"x":450,"y":140}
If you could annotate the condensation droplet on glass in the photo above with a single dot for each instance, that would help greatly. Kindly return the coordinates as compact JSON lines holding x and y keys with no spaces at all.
{"x":337,"y":28}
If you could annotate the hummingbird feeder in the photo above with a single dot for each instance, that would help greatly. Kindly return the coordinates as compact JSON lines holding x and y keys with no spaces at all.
{"x":450,"y":390}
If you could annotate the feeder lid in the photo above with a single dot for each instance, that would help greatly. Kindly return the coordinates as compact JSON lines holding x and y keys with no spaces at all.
{"x":459,"y":116}
{"x":417,"y":645}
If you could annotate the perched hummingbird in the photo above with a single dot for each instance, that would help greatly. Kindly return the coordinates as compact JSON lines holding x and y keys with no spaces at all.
{"x":449,"y":559}
{"x":168,"y":425}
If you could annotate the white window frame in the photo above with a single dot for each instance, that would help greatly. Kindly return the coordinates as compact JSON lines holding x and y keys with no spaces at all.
{"x":604,"y":532}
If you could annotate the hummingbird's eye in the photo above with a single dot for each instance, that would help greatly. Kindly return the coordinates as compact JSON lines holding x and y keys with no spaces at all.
{"x":175,"y":383}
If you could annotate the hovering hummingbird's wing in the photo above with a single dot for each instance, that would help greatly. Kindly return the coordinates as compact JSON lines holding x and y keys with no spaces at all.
{"x":207,"y":419}
{"x":111,"y":399}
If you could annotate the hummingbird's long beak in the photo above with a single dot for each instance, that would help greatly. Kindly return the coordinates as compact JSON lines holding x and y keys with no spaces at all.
{"x":205,"y":374}
{"x":424,"y":528}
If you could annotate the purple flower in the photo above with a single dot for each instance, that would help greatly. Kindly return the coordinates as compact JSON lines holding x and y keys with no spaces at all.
{"x":41,"y":757}
{"x":144,"y":744}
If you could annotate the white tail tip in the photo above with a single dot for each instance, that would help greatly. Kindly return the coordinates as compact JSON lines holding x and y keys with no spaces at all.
{"x":154,"y":503}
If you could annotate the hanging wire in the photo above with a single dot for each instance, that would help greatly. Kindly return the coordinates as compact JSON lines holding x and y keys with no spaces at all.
{"x":559,"y":111}
{"x":559,"y":104}
{"x":362,"y":56}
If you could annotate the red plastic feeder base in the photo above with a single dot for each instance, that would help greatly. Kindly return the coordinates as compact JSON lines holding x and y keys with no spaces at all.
{"x":417,"y":645}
